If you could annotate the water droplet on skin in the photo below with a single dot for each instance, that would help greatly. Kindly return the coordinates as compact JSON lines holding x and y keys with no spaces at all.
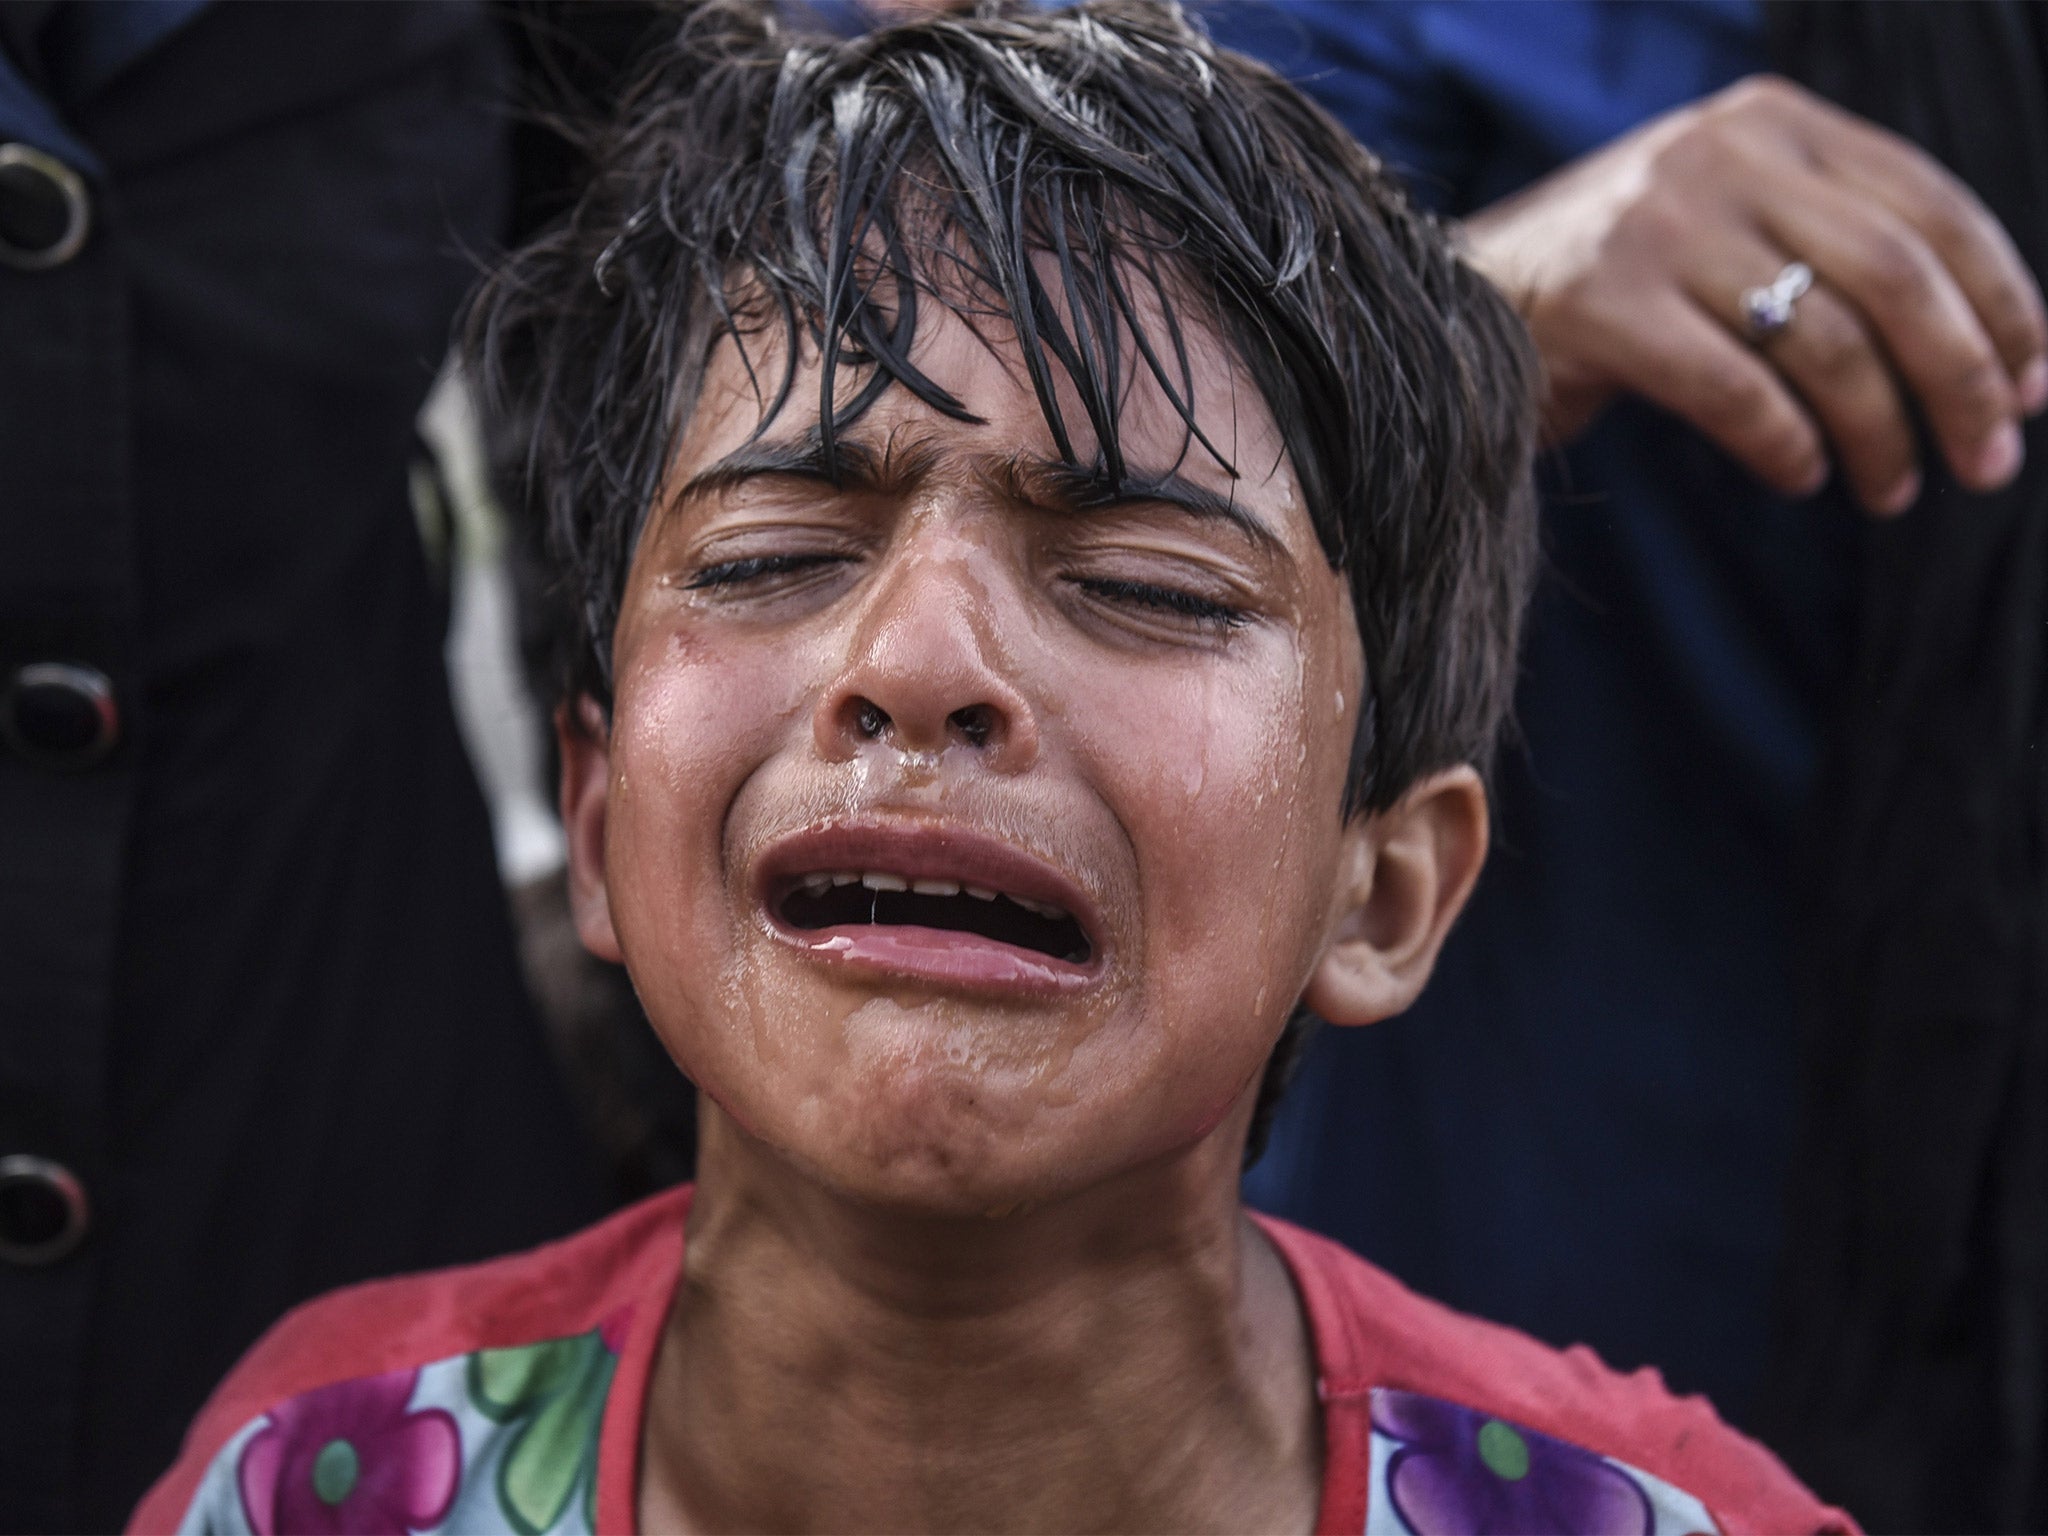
{"x":1196,"y":773}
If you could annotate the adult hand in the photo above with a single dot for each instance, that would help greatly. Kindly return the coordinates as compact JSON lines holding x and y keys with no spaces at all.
{"x":1630,"y":266}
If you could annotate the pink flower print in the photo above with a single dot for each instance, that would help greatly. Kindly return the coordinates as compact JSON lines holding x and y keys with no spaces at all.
{"x":350,"y":1458}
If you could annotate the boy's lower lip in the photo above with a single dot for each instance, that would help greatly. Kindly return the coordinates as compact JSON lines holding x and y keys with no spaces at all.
{"x":945,"y":958}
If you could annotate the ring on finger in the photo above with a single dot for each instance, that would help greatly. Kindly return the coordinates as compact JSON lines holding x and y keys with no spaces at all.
{"x":1768,"y":309}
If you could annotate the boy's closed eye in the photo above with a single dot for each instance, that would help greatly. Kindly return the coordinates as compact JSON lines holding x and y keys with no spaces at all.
{"x":1164,"y":600}
{"x":772,"y":571}
{"x":758,"y":569}
{"x":1147,"y":557}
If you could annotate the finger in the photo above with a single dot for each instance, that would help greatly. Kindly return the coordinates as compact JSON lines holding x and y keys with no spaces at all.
{"x":1837,"y":369}
{"x":1908,"y":298}
{"x":1957,"y":226}
{"x":1682,"y":358}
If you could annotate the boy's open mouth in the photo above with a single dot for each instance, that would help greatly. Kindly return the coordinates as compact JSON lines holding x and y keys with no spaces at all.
{"x":846,"y":898}
{"x":931,"y":901}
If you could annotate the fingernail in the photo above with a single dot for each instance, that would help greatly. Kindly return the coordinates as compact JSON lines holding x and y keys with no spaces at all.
{"x":1899,"y":497}
{"x":1999,"y":458}
{"x":2033,"y":386}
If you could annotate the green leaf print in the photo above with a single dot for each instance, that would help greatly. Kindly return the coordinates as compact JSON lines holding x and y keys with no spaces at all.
{"x":556,"y":1392}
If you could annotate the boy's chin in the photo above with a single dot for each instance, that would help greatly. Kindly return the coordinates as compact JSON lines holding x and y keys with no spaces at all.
{"x":948,"y":1146}
{"x":955,"y":1113}
{"x":957,"y":1151}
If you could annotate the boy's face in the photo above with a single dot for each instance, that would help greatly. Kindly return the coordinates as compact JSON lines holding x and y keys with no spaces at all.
{"x":1136,"y":717}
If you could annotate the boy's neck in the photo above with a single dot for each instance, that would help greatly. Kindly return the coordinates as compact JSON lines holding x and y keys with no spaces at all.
{"x":1133,"y":1359}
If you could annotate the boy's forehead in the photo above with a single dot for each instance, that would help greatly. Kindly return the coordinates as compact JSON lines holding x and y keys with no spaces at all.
{"x":1235,"y":450}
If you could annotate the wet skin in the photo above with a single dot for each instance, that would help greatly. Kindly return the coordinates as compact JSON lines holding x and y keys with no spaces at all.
{"x":966,"y":1230}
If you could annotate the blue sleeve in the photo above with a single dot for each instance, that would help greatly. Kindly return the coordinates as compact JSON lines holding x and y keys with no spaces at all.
{"x":1469,"y":100}
{"x":1378,"y":67}
{"x":97,"y":44}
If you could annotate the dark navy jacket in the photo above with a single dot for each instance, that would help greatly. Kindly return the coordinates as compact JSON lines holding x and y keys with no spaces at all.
{"x":258,"y":997}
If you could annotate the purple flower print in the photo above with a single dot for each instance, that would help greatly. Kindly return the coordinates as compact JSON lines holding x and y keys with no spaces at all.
{"x":350,"y":1458}
{"x":1456,"y":1472}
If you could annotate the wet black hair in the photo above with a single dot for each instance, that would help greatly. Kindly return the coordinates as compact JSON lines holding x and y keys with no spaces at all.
{"x":1103,"y":178}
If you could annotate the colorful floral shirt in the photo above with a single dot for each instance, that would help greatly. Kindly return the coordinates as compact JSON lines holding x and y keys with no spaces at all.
{"x":508,"y":1397}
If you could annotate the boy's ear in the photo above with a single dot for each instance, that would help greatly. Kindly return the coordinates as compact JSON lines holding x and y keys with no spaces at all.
{"x":1404,"y":877}
{"x":585,"y":742}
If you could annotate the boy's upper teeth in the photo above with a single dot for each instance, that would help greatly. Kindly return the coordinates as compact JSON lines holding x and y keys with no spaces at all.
{"x":882,"y":880}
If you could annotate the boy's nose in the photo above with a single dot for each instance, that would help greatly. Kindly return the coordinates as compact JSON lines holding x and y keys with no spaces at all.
{"x":977,"y":725}
{"x":919,"y":677}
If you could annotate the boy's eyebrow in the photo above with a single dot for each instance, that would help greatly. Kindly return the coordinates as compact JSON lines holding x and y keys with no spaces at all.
{"x":1047,"y":483}
{"x":1091,"y":488}
{"x":852,"y":464}
{"x":803,"y":457}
